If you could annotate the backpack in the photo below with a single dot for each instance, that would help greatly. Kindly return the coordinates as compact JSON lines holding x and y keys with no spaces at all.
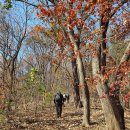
{"x":57,"y":97}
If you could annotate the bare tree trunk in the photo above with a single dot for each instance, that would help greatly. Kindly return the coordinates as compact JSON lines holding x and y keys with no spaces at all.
{"x":83,"y":84}
{"x":77,"y":100}
{"x":85,"y":91}
{"x":113,"y":111}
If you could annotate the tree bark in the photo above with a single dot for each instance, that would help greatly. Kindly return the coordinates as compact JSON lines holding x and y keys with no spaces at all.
{"x":113,"y":111}
{"x":77,"y":100}
{"x":85,"y":90}
{"x":126,"y":55}
{"x":83,"y":84}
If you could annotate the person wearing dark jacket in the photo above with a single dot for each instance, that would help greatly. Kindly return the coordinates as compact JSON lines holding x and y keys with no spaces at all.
{"x":58,"y":101}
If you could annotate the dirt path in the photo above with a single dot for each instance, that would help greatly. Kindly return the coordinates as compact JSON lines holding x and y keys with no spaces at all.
{"x":46,"y":120}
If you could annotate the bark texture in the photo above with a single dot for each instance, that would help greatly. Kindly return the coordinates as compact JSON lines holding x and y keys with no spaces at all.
{"x":83,"y":84}
{"x":77,"y":100}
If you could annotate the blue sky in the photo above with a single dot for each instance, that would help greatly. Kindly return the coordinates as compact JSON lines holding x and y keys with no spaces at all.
{"x":18,"y":13}
{"x":2,"y":1}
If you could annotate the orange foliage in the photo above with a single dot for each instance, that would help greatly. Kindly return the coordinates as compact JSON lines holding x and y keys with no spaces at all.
{"x":60,"y":9}
{"x":43,"y":12}
{"x":72,"y":13}
{"x":37,"y":29}
{"x":79,"y":6}
{"x":73,"y":24}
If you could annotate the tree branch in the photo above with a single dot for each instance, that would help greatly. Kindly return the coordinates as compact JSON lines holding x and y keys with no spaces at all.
{"x":27,"y":3}
{"x":36,"y":6}
{"x":126,"y":55}
{"x":123,"y":2}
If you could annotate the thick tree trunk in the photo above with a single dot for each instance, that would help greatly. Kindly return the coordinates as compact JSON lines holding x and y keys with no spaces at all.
{"x":126,"y":55}
{"x":113,"y":111}
{"x":110,"y":110}
{"x":77,"y":100}
{"x":84,"y":87}
{"x":83,"y":84}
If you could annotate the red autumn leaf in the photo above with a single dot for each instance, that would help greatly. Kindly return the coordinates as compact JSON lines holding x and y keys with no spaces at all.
{"x":60,"y":8}
{"x":72,"y":13}
{"x":79,"y":6}
{"x":73,"y":24}
{"x":43,"y":11}
{"x":49,"y":13}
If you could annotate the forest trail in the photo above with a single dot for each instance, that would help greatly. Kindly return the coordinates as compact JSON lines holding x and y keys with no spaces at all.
{"x":46,"y":120}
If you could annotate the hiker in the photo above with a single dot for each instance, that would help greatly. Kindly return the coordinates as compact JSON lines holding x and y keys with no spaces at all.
{"x":58,"y":101}
{"x":66,"y":97}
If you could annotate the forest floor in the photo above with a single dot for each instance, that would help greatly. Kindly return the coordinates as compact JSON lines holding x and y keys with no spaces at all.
{"x":46,"y":119}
